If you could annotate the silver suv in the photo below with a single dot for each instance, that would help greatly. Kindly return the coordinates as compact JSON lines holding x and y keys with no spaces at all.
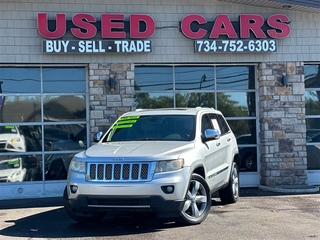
{"x":166,"y":161}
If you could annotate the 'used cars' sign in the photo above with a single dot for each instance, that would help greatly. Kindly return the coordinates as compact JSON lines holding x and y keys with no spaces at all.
{"x":252,"y":33}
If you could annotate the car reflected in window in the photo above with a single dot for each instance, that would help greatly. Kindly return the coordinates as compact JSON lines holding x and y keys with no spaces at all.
{"x":76,"y":141}
{"x":248,"y":155}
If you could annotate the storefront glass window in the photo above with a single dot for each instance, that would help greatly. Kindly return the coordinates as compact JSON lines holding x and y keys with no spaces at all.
{"x":31,"y":137}
{"x":149,"y":78}
{"x":56,"y":166}
{"x":235,"y":77}
{"x":195,"y":99}
{"x":20,"y":168}
{"x":245,"y":131}
{"x":194,"y":78}
{"x":312,"y":76}
{"x":45,"y":116}
{"x":154,"y":100}
{"x":61,"y":80}
{"x":64,"y":108}
{"x":230,"y":89}
{"x":65,"y":137}
{"x":312,"y":96}
{"x":20,"y":80}
{"x":313,"y":143}
{"x":237,"y":104}
{"x":312,"y":102}
{"x":20,"y":108}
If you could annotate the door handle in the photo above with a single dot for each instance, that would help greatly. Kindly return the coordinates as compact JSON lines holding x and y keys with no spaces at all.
{"x":229,"y":139}
{"x":218,"y":144}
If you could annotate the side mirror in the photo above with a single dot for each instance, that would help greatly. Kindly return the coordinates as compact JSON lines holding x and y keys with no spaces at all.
{"x":211,"y":134}
{"x":97,"y":136}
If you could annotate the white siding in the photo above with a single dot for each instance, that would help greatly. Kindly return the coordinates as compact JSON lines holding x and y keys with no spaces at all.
{"x":20,"y":41}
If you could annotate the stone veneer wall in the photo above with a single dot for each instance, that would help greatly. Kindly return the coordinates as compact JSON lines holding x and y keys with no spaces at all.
{"x":106,"y":105}
{"x":282,"y":124}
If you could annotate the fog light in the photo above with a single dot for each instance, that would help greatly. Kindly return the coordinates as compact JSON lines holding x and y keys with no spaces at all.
{"x":73,"y":188}
{"x":168,"y":189}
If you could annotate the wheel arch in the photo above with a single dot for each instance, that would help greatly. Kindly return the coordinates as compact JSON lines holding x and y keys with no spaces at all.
{"x":237,"y":159}
{"x":200,"y":171}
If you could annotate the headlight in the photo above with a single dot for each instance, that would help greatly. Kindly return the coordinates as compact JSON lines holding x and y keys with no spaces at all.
{"x":168,"y":166}
{"x":15,"y":140}
{"x":15,"y":173}
{"x":78,"y":166}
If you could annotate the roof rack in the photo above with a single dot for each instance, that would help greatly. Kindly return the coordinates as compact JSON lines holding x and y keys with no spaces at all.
{"x":177,"y":108}
{"x":199,"y":107}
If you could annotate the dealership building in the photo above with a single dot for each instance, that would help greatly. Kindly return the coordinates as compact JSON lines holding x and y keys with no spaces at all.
{"x":69,"y":69}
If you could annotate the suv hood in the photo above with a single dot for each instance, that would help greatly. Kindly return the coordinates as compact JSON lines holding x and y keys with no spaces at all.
{"x":141,"y":149}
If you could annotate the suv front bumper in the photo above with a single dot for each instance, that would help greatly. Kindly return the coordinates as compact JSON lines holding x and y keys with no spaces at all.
{"x":156,"y":204}
{"x":149,"y":196}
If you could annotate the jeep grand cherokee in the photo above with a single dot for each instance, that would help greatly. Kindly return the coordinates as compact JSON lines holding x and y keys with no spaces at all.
{"x":166,"y":161}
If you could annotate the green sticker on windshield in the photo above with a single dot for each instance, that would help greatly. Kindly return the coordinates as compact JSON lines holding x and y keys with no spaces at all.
{"x":9,"y":127}
{"x":131,"y":117}
{"x":125,"y":122}
{"x":122,"y":126}
{"x":13,"y":162}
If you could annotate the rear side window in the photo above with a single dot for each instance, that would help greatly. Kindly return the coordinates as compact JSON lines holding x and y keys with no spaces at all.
{"x":219,"y":123}
{"x":214,"y":122}
{"x":223,"y":124}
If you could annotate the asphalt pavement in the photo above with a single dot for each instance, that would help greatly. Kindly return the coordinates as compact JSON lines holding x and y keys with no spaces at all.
{"x":259,"y":214}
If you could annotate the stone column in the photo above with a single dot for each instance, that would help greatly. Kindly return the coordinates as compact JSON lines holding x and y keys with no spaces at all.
{"x":282,"y":124}
{"x":106,"y":105}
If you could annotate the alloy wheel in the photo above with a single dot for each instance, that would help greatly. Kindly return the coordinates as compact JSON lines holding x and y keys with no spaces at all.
{"x":196,"y":200}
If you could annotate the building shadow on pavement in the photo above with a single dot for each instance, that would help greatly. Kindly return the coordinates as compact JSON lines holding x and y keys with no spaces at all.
{"x":53,"y":222}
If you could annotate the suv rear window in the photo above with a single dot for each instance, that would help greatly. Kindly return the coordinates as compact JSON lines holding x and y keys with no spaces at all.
{"x":153,"y":127}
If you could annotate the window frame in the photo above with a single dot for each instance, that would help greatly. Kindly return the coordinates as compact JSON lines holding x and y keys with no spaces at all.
{"x":42,"y":123}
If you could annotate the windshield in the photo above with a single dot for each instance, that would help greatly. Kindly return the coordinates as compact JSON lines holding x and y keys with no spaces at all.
{"x":8,"y":129}
{"x":153,"y":127}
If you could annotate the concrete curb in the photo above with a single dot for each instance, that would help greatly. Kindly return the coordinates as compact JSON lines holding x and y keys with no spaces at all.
{"x":291,"y":188}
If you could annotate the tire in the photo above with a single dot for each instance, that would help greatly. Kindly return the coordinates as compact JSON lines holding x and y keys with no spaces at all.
{"x":83,"y":217}
{"x":197,"y":202}
{"x":249,"y":162}
{"x":230,"y":194}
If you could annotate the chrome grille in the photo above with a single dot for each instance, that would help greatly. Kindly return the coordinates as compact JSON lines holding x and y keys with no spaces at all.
{"x":116,"y":172}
